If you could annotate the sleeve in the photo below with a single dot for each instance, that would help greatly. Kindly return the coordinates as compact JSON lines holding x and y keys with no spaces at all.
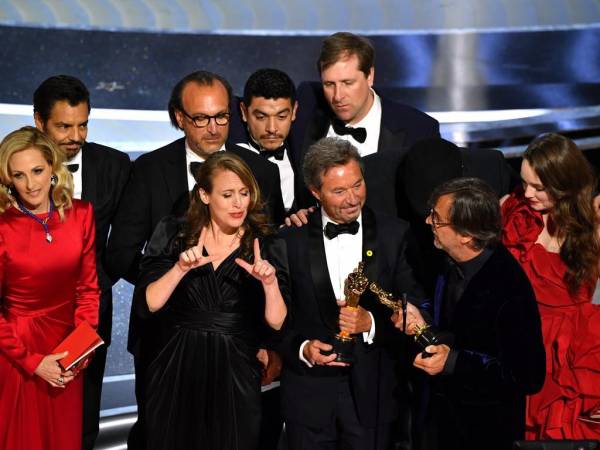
{"x":159,"y":257}
{"x":130,"y":229}
{"x":275,"y":251}
{"x":10,"y":343}
{"x":520,"y":364}
{"x":87,"y":293}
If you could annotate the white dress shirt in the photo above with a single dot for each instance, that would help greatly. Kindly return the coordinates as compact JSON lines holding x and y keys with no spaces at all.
{"x":191,"y":156}
{"x":372,"y":123}
{"x":343,"y":253}
{"x":286,"y":175}
{"x":77,"y":180}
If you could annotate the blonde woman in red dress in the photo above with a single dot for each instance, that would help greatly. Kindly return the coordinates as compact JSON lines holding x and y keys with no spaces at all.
{"x":48,"y":285}
{"x":551,"y":228}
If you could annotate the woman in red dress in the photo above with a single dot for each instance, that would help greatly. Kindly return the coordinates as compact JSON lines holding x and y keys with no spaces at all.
{"x":48,"y":285}
{"x":551,"y":227}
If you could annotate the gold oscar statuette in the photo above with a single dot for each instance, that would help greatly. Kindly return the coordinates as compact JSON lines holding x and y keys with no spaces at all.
{"x":355,"y":285}
{"x":425,"y":335}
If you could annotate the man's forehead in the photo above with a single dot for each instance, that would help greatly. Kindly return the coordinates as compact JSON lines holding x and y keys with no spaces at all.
{"x":63,"y":111}
{"x":270,"y":104}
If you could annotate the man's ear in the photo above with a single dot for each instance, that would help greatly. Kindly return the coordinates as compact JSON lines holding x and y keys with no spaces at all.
{"x":294,"y":110}
{"x":39,"y":123}
{"x":316,"y":194}
{"x":244,"y":111}
{"x":466,"y":240}
{"x":371,"y":77}
{"x":179,"y":117}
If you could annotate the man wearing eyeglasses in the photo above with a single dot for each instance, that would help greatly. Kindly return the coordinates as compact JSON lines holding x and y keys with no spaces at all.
{"x":159,"y":186}
{"x":492,"y":354}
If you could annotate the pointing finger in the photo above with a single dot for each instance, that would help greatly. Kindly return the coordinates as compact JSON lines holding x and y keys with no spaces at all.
{"x":243,"y":264}
{"x":256,"y":251}
{"x":202,"y":238}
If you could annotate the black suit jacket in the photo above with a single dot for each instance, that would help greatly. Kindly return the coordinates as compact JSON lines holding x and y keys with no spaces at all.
{"x":401,"y":126}
{"x":105,"y":172}
{"x":501,"y":358}
{"x":158,"y":185}
{"x":308,"y":395}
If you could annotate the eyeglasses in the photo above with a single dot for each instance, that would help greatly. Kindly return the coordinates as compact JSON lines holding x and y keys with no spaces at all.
{"x":202,"y":120}
{"x":435,"y":219}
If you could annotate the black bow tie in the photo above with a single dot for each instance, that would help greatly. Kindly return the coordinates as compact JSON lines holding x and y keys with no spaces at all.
{"x":340,"y":128}
{"x":195,"y":168}
{"x":332,"y":229}
{"x":278,"y":153}
{"x":73,"y":167}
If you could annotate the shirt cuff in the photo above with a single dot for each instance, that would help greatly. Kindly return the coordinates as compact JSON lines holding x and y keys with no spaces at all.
{"x":301,"y":354}
{"x":369,"y":336}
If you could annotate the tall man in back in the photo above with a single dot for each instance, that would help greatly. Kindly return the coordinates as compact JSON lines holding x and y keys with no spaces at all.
{"x":61,"y":106}
{"x":347,"y":106}
{"x":160,"y":185}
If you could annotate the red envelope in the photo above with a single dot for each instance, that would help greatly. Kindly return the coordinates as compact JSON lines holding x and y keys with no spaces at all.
{"x":82,"y":341}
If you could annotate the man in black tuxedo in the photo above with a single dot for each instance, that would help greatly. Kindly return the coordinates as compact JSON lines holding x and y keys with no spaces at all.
{"x":61,"y":106}
{"x":346,"y":106}
{"x":493,"y":354}
{"x":160,"y":185}
{"x":325,"y":402}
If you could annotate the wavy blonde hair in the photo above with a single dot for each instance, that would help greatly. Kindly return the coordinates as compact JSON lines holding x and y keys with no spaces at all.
{"x":26,"y":138}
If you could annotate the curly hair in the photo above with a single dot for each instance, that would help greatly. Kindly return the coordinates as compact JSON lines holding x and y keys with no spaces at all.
{"x":26,"y":138}
{"x":570,"y":182}
{"x":198,"y":214}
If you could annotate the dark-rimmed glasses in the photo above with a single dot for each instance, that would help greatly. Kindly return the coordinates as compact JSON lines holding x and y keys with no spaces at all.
{"x":435,"y":219}
{"x":202,"y":120}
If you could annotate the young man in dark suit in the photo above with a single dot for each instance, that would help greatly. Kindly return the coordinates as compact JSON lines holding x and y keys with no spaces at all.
{"x":346,"y":106}
{"x":327,"y":403}
{"x":160,"y":185}
{"x":61,"y":106}
{"x":493,"y":354}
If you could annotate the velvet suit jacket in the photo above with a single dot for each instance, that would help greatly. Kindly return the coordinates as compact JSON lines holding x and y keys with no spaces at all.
{"x":501,"y":358}
{"x":308,"y":395}
{"x":158,"y":185}
{"x":401,"y":126}
{"x":105,"y":172}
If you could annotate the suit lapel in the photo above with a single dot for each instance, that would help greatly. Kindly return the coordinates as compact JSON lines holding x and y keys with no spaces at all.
{"x":320,"y":274}
{"x":391,"y":138}
{"x":370,"y":250}
{"x":176,"y":173}
{"x":89,"y":172}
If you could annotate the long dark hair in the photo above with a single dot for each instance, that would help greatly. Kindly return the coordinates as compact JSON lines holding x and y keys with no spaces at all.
{"x":198,"y":215}
{"x":570,"y":182}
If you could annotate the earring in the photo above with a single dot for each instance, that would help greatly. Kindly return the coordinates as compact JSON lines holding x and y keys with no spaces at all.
{"x":53,"y":180}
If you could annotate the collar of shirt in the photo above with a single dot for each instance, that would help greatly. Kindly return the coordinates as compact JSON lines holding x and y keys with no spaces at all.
{"x":471,"y":267}
{"x":286,"y":174}
{"x":343,"y":253}
{"x":77,"y":179}
{"x":372,"y":123}
{"x":190,"y":157}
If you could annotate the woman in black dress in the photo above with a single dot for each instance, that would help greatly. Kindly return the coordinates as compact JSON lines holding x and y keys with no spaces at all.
{"x":204,"y":280}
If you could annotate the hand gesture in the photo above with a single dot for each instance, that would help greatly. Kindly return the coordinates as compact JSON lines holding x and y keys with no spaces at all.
{"x":435,"y":363}
{"x":271,"y":362}
{"x":414,"y":319}
{"x":312,"y":353}
{"x":50,"y":370}
{"x":192,"y":257}
{"x":261,"y":269}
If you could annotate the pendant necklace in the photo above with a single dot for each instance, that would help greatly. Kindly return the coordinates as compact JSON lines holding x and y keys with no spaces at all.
{"x":42,"y":222}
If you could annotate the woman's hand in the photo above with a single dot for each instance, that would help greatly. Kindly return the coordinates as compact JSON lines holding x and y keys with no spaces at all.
{"x":261,"y":269}
{"x":192,"y":257}
{"x":50,"y":370}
